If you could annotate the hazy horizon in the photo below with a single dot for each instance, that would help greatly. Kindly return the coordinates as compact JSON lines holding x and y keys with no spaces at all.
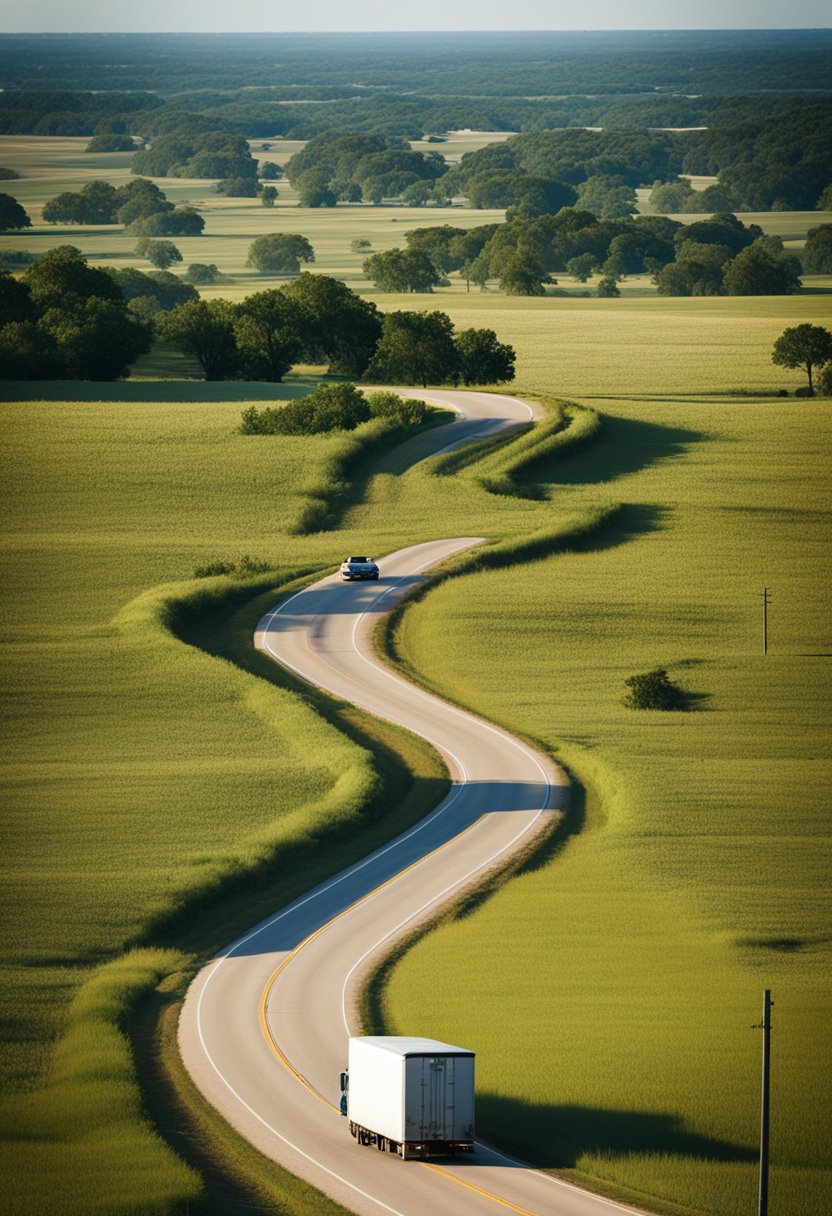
{"x":433,"y":16}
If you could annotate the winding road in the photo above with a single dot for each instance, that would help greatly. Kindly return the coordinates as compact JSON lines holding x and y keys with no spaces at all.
{"x":264,"y":1027}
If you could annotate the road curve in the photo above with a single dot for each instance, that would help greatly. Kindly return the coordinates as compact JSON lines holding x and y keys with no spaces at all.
{"x":264,"y":1027}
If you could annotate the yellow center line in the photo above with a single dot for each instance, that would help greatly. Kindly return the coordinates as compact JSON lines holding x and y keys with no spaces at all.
{"x":472,"y":1186}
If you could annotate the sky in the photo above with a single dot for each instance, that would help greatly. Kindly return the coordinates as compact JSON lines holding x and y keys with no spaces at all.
{"x":365,"y":15}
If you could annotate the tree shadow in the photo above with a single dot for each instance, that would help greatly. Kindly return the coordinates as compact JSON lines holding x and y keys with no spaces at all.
{"x":572,"y":1131}
{"x":150,"y":392}
{"x":623,"y":445}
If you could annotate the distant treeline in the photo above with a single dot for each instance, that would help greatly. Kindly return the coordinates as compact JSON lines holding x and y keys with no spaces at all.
{"x":265,"y":113}
{"x":468,"y":65}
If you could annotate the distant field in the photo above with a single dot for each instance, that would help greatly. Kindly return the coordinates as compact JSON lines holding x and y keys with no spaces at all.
{"x":51,"y":165}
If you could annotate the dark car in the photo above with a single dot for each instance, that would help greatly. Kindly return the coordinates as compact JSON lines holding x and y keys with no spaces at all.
{"x":358,"y":568}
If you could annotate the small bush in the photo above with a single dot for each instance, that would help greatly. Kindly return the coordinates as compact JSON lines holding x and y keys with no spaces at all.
{"x":406,"y":411}
{"x":247,"y":565}
{"x":332,"y":407}
{"x":654,"y":690}
{"x":202,"y":272}
{"x":804,"y":391}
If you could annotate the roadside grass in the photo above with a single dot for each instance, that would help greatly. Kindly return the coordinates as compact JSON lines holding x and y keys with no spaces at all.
{"x":630,"y":966}
{"x":141,"y":776}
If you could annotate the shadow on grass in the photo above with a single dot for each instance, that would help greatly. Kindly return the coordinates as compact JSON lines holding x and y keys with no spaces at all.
{"x":570,"y":1132}
{"x":155,"y":392}
{"x":622,"y":446}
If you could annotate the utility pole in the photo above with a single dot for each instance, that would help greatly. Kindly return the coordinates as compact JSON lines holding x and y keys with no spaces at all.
{"x":766,"y":602}
{"x":765,"y":1105}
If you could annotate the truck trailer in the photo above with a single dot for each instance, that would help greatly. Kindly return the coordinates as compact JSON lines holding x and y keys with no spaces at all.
{"x":410,"y":1096}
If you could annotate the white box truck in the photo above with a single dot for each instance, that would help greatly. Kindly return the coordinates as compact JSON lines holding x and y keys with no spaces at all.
{"x":411,"y":1096}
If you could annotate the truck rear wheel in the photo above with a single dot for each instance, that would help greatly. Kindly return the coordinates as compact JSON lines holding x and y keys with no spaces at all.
{"x":381,"y":1144}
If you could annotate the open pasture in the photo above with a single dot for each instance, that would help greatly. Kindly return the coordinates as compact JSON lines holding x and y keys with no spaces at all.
{"x":630,"y":965}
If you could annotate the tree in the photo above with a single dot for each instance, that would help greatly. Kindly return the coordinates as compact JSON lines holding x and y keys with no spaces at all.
{"x":267,"y":332}
{"x":521,"y":272}
{"x":138,"y":199}
{"x":336,"y":325}
{"x":96,"y":203}
{"x":608,"y":287}
{"x":482,"y":359}
{"x":205,"y":330}
{"x":15,"y":300}
{"x":28,"y":353}
{"x":806,"y":346}
{"x":279,"y":253}
{"x":761,"y":271}
{"x":268,"y":195}
{"x":160,"y":254}
{"x":817,"y":252}
{"x":182,"y":221}
{"x":163,"y":289}
{"x":238,"y":187}
{"x":97,"y":340}
{"x":723,"y":228}
{"x":608,"y":197}
{"x":402,"y":270}
{"x":415,"y":347}
{"x":269,"y":171}
{"x":825,"y":380}
{"x":359,"y":244}
{"x":12,"y":215}
{"x":582,"y":266}
{"x":314,"y":190}
{"x":63,"y":280}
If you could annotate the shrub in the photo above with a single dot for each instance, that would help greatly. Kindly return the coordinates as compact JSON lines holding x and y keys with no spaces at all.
{"x":332,"y":407}
{"x":654,"y":690}
{"x":405,"y":411}
{"x":246,"y":566}
{"x":202,"y":272}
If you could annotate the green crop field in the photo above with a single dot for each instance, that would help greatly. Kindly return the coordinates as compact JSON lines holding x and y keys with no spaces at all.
{"x":142,"y":775}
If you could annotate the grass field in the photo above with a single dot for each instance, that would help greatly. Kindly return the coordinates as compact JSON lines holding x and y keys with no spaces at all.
{"x":139,"y":772}
{"x":633,"y":962}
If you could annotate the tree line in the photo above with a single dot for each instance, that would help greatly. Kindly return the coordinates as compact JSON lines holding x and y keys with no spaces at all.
{"x":64,"y":319}
{"x":716,"y":256}
{"x":317,"y":319}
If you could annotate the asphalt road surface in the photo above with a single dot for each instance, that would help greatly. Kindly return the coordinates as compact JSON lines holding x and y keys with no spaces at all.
{"x":265,"y":1025}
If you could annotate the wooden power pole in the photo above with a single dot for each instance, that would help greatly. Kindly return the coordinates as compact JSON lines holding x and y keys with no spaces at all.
{"x":766,"y":602}
{"x":765,"y":1104}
